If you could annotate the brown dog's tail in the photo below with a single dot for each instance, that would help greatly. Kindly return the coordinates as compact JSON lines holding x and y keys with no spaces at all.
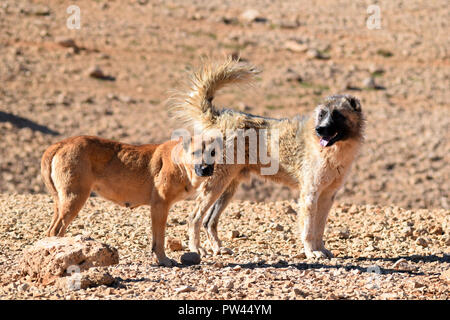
{"x":46,"y":168}
{"x":195,"y":106}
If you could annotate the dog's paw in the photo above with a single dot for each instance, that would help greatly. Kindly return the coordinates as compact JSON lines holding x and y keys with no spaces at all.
{"x":319,"y":254}
{"x":167,"y":262}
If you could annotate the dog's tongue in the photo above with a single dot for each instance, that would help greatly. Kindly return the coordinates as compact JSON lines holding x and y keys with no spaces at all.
{"x":324,"y":142}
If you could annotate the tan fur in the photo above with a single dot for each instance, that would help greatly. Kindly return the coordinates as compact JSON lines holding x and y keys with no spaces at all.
{"x":128,"y":175}
{"x":304,"y":164}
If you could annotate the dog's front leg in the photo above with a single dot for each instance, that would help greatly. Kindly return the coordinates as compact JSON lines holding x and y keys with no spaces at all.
{"x":159,"y":212}
{"x":212,"y":218}
{"x":314,"y":208}
{"x":205,"y":200}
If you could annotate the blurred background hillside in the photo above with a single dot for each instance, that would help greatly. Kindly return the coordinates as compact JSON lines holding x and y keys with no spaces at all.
{"x":112,"y":77}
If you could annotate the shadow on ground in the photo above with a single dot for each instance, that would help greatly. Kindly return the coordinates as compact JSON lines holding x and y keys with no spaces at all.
{"x":20,"y":122}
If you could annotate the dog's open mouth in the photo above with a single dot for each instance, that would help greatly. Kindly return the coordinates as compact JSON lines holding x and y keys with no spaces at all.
{"x":327,"y":141}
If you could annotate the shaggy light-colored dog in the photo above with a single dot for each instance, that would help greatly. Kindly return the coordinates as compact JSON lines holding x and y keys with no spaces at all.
{"x":314,"y":155}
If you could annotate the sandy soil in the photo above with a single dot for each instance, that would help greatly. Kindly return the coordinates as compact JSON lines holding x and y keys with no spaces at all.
{"x":368,"y":242}
{"x":306,"y":53}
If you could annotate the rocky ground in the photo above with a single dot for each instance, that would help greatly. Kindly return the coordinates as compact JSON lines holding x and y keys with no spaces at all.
{"x":112,"y":78}
{"x":381,"y":253}
{"x":306,"y":53}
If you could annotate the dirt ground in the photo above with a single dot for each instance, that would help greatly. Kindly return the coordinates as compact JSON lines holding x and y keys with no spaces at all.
{"x":381,"y":253}
{"x":306,"y":52}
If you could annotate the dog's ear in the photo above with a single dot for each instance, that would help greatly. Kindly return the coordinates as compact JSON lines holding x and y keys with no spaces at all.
{"x":354,"y":103}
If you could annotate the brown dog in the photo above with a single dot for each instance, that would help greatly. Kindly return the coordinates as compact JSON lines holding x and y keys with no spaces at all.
{"x":154,"y":174}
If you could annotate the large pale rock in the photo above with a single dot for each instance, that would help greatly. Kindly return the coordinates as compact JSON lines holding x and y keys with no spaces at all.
{"x":54,"y":257}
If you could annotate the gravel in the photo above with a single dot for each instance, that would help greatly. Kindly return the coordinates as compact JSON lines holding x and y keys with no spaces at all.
{"x":265,"y":265}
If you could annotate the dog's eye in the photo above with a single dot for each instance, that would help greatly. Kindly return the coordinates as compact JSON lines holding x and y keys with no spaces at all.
{"x":213,"y":153}
{"x":322,"y":114}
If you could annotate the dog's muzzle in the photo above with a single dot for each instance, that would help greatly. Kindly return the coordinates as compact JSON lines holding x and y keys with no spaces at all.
{"x":328,"y":135}
{"x":204,"y":170}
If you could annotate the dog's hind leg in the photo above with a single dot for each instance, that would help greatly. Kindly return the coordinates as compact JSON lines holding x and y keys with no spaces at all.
{"x":55,"y":215}
{"x":212,"y":218}
{"x":69,"y":204}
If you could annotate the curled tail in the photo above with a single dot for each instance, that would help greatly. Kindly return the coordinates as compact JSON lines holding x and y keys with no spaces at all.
{"x":46,"y":168}
{"x":195,"y":106}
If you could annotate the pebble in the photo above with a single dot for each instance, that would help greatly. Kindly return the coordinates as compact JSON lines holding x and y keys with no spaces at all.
{"x":214,"y":289}
{"x":190,"y":258}
{"x":233,"y":234}
{"x":229,"y":285}
{"x":66,"y":42}
{"x":369,"y":83}
{"x":184,"y":289}
{"x":422,"y":242}
{"x":24,"y":287}
{"x":252,"y":15}
{"x":296,"y":46}
{"x":399,"y":263}
{"x":174,"y":244}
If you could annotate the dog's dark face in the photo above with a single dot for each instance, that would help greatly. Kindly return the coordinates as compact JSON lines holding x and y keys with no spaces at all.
{"x":338,"y":119}
{"x":204,"y":159}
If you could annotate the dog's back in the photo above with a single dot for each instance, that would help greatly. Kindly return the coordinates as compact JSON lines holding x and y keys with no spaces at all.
{"x":114,"y":170}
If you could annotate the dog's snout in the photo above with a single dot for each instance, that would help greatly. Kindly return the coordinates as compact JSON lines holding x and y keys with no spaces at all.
{"x":320,"y":130}
{"x":204,"y":170}
{"x":326,"y":131}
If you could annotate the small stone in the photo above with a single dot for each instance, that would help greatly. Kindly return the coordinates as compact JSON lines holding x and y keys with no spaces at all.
{"x":214,"y":289}
{"x":96,"y":72}
{"x":190,"y":258}
{"x":40,"y":10}
{"x":299,"y":256}
{"x":344,"y":233}
{"x":229,"y":285}
{"x":399,"y":263}
{"x":252,"y":15}
{"x":66,"y":42}
{"x":233,"y":234}
{"x":277,"y":227}
{"x":313,"y":54}
{"x":218,"y":265}
{"x":437,"y":230}
{"x":422,"y":242}
{"x":184,"y":289}
{"x":23,"y":287}
{"x":408,"y":231}
{"x":174,"y":244}
{"x":295,"y":46}
{"x":369,"y":83}
{"x":299,"y":292}
{"x":418,"y":285}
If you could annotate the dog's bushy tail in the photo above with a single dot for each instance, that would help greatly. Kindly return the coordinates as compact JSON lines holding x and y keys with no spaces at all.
{"x":195,"y":107}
